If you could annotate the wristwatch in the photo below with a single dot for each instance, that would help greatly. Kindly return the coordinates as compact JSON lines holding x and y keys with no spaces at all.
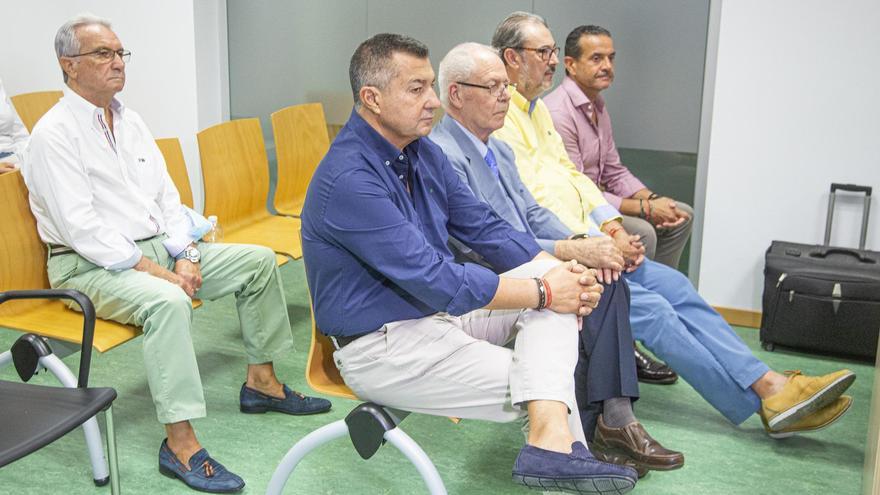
{"x":191,"y":254}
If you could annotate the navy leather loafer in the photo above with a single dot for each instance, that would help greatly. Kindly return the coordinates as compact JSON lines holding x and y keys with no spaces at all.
{"x":577,"y":472}
{"x":254,"y":402}
{"x":203,"y":473}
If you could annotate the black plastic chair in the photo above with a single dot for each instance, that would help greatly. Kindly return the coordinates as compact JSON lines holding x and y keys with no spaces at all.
{"x":34,"y":416}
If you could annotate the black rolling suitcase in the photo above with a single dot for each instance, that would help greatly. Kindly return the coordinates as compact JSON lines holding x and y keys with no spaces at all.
{"x":823,"y":298}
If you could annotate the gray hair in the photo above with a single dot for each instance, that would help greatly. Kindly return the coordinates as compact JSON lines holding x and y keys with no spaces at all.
{"x":66,"y":41}
{"x":371,"y":62}
{"x":509,"y":34}
{"x":459,"y":64}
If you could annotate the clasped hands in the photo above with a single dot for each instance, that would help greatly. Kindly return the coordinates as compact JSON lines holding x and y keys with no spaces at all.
{"x":186,"y":275}
{"x":189,"y":276}
{"x":665,"y":213}
{"x":574,"y":287}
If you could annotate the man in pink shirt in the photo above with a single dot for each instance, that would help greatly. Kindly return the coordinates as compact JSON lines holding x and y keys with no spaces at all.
{"x":581,"y":118}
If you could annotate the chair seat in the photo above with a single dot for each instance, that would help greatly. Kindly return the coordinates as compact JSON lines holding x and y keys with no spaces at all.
{"x":276,"y":233}
{"x":53,"y":319}
{"x":34,"y":416}
{"x":293,"y":208}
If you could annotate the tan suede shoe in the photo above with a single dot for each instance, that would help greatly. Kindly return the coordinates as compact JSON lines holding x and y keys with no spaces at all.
{"x":802,"y":396}
{"x":820,"y":419}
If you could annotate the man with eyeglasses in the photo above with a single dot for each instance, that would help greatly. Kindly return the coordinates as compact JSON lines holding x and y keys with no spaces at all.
{"x":413,"y":328}
{"x":529,"y":131}
{"x":116,"y":231}
{"x":475,"y":95}
{"x":666,"y":312}
{"x":582,"y":120}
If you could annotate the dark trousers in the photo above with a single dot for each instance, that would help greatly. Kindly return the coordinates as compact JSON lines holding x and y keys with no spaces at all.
{"x":606,"y":367}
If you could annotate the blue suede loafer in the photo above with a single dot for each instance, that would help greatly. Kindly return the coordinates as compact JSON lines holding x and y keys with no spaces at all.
{"x":203,"y":473}
{"x":254,"y":402}
{"x":577,"y":472}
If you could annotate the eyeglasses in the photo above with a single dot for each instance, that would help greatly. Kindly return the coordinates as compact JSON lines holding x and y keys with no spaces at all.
{"x":544,"y":52}
{"x":104,"y":55}
{"x":495,"y":89}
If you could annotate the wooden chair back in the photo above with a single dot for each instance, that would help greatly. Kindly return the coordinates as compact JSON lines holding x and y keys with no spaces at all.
{"x":173,"y":154}
{"x":31,"y":106}
{"x":301,"y":141}
{"x":235,"y":171}
{"x":22,"y":253}
{"x":321,"y":372}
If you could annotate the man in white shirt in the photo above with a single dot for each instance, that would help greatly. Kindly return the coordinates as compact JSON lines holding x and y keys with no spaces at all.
{"x":13,"y":135}
{"x":116,"y":230}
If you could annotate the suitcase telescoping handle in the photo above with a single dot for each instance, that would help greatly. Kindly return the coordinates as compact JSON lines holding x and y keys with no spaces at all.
{"x":854,"y":188}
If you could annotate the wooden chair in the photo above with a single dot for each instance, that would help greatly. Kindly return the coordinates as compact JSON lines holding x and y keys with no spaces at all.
{"x":369,"y":424}
{"x":32,"y":106}
{"x":301,"y":142}
{"x":173,"y":154}
{"x":23,"y":266}
{"x":236,"y":174}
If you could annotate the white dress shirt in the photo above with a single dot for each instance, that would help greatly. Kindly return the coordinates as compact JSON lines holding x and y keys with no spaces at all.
{"x":98,"y":192}
{"x":13,"y":135}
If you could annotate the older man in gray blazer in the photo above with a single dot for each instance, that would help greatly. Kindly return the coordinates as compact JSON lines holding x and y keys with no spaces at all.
{"x":473,"y":90}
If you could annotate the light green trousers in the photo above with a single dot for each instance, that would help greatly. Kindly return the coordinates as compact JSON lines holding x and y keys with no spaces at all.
{"x":164,"y":311}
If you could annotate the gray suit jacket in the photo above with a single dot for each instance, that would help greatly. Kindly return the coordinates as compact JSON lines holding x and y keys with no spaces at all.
{"x":507,"y":194}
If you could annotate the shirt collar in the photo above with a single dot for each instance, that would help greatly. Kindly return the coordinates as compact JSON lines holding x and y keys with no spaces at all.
{"x":386,"y":151}
{"x":518,"y":99}
{"x":482,"y":148}
{"x":87,"y":113}
{"x":578,"y":97}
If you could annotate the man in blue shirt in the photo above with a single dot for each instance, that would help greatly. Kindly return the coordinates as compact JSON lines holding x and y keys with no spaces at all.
{"x":417,"y":331}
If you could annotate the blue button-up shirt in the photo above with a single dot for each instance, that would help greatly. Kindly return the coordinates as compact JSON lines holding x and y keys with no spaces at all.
{"x":374,"y":253}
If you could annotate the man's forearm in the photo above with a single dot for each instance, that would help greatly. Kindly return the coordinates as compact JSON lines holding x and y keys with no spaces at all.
{"x":515,"y":293}
{"x":151,"y":267}
{"x":567,"y":250}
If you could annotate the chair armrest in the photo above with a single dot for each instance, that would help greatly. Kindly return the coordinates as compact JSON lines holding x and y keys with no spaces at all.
{"x":88,"y":311}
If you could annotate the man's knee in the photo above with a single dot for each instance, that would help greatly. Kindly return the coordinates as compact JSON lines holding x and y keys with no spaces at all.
{"x":168,"y":303}
{"x":536,"y":268}
{"x":260,"y":259}
{"x":657,"y":318}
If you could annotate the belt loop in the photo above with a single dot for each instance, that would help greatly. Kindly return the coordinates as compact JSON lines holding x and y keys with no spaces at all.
{"x":335,"y":343}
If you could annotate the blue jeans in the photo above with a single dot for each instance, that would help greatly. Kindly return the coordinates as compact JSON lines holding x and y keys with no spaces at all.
{"x":671,"y":319}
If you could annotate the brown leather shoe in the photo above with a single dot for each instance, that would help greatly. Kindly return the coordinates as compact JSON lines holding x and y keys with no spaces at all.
{"x":634,"y":442}
{"x":619,"y":459}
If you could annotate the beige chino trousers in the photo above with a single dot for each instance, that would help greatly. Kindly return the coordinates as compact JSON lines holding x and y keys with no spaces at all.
{"x":446,"y":365}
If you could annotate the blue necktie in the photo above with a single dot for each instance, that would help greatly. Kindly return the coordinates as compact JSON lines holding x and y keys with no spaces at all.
{"x":490,"y":160}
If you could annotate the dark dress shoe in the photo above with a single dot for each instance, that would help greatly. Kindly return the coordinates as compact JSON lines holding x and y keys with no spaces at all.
{"x":653,"y":371}
{"x":577,"y":472}
{"x":634,"y":442}
{"x":619,"y":459}
{"x":254,"y":402}
{"x":201,"y":473}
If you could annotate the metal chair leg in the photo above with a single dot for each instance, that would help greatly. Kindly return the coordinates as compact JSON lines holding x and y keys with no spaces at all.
{"x":337,"y":429}
{"x":92,"y":431}
{"x":300,"y":449}
{"x":111,"y":451}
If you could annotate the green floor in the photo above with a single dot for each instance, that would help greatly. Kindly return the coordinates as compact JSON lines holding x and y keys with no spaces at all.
{"x":473,"y":457}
